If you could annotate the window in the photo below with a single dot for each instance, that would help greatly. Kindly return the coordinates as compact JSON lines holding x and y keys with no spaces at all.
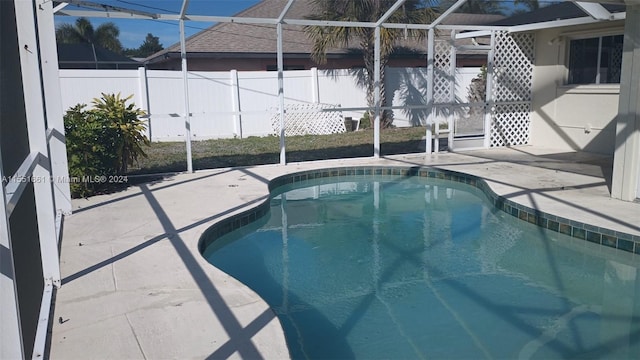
{"x":595,"y":60}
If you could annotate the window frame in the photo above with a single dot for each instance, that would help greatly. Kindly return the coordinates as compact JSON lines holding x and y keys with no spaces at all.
{"x":583,"y":36}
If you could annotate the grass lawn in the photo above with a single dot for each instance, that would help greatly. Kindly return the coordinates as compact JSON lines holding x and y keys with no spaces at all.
{"x":210,"y":154}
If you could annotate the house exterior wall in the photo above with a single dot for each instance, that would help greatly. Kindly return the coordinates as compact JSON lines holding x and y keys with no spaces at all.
{"x":571,"y":117}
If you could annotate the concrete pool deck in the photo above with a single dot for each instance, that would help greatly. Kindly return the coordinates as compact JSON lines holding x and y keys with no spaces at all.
{"x":136,"y":286}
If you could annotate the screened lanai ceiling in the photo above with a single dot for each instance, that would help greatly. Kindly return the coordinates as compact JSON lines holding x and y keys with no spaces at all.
{"x":294,"y":12}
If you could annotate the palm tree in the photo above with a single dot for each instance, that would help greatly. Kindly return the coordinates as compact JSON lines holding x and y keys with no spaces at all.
{"x":105,"y":35}
{"x":325,"y":38}
{"x":530,"y":5}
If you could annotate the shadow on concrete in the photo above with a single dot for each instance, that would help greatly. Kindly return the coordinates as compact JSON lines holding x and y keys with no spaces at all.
{"x":240,"y":336}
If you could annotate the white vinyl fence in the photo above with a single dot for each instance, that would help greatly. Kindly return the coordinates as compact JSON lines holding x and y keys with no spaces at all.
{"x":241,"y":104}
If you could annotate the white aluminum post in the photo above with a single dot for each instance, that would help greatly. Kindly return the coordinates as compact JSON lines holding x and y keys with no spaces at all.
{"x":235,"y":103}
{"x":53,"y":106}
{"x":430,"y":50}
{"x":35,"y":111}
{"x":283,"y":150}
{"x":283,"y":154}
{"x":452,"y":94}
{"x":376,"y":93}
{"x":35,"y":114}
{"x":376,"y":75}
{"x":185,"y":81}
{"x":315,"y":86}
{"x":595,"y":10}
{"x":489,"y":103}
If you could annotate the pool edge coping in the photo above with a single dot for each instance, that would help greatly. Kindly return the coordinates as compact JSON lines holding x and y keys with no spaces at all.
{"x":575,"y":229}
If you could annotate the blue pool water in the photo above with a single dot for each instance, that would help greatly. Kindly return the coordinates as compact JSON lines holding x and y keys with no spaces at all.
{"x":381,"y":268}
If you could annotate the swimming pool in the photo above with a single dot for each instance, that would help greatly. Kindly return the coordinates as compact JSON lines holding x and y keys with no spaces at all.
{"x":411,"y":267}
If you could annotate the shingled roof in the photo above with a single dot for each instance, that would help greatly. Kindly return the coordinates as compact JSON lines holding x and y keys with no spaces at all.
{"x":234,"y":38}
{"x":89,"y":56}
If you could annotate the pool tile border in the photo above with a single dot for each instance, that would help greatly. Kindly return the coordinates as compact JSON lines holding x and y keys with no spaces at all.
{"x":602,"y":236}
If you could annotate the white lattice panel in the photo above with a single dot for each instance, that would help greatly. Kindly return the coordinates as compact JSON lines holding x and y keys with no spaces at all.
{"x":308,"y":119}
{"x":513,"y":67}
{"x":441,"y":72}
{"x":510,"y":125}
{"x":513,"y":80}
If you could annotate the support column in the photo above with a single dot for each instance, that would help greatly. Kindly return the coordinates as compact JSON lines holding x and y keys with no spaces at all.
{"x":376,"y":94}
{"x":187,"y":112}
{"x":53,"y":107}
{"x":489,"y":103}
{"x":35,"y":114}
{"x":32,"y":71}
{"x":452,"y":95}
{"x":315,"y":87}
{"x":235,"y":104}
{"x":430,"y":50}
{"x":626,"y":161}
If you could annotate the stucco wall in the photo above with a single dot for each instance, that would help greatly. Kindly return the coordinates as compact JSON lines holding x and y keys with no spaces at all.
{"x":571,"y":117}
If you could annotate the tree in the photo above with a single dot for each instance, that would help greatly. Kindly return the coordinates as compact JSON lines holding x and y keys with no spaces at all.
{"x":529,"y":5}
{"x":325,"y":38}
{"x":105,"y":35}
{"x":477,"y":6}
{"x":151,"y":45}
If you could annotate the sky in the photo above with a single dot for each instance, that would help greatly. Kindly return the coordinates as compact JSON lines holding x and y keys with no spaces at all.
{"x":133,"y":32}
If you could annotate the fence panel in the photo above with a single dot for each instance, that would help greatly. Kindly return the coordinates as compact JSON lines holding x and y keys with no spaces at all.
{"x":210,"y":102}
{"x":82,"y":86}
{"x":214,"y":101}
{"x":341,"y":87}
{"x":166,"y":105}
{"x":258,"y":94}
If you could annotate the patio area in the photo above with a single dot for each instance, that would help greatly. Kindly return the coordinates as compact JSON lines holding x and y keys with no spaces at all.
{"x":136,"y":286}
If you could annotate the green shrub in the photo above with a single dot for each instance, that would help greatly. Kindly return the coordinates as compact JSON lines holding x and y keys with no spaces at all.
{"x":102,"y":142}
{"x":129,"y":129}
{"x":365,"y":121}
